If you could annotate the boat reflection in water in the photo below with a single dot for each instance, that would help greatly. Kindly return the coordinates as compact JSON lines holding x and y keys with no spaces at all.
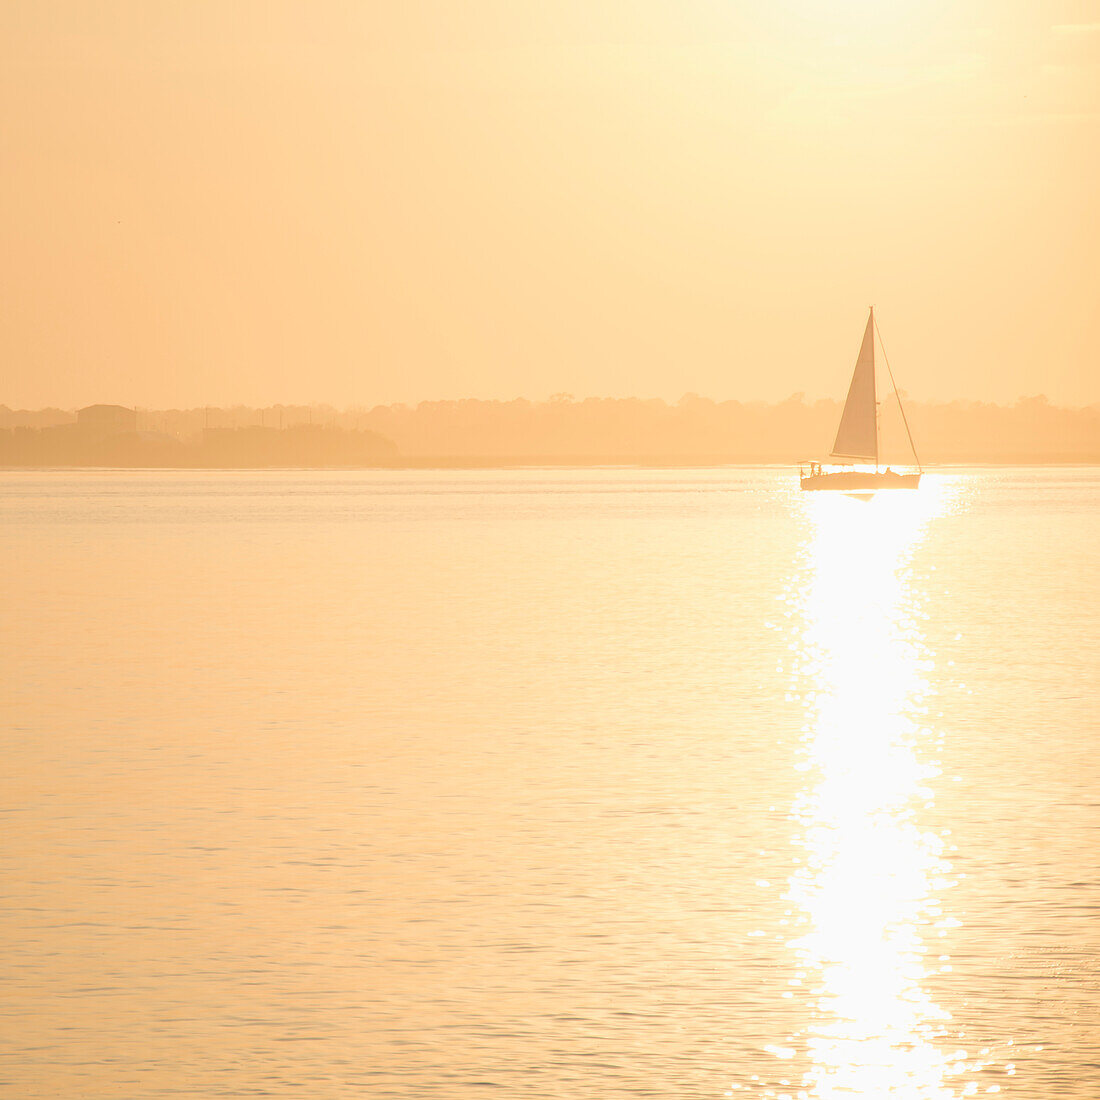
{"x":870,"y":874}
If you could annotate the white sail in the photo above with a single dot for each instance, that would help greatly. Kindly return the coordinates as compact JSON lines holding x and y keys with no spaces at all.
{"x":857,"y":436}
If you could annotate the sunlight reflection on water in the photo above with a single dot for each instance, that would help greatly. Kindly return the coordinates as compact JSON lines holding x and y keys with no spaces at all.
{"x":871,"y":878}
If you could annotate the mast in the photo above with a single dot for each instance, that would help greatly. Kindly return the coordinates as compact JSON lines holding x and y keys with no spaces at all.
{"x":873,"y":326}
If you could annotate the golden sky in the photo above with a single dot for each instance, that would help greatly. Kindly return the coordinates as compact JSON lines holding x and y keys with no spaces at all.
{"x":212,"y":201}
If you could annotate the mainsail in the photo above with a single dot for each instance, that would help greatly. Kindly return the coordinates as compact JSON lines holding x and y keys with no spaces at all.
{"x":857,"y":436}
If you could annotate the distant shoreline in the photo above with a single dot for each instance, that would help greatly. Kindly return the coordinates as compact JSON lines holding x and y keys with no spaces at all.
{"x":560,"y":432}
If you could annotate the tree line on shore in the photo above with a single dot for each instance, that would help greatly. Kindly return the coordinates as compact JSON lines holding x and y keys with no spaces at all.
{"x":560,"y":429}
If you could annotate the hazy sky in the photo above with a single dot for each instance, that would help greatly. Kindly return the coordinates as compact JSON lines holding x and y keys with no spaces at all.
{"x":213,"y":201}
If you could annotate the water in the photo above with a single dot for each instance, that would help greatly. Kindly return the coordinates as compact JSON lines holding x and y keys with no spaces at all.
{"x":600,"y":783}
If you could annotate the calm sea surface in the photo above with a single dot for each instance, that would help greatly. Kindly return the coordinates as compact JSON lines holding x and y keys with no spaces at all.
{"x":542,"y":783}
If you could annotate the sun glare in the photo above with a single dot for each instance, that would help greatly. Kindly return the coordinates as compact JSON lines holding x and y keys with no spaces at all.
{"x":871,"y":876}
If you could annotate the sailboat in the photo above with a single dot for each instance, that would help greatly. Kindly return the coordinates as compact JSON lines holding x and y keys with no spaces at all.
{"x":857,"y":437}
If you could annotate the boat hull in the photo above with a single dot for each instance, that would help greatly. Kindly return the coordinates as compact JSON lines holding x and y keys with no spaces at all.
{"x":861,"y":481}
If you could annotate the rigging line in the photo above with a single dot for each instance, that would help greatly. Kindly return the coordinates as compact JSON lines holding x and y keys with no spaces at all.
{"x":901,"y":407}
